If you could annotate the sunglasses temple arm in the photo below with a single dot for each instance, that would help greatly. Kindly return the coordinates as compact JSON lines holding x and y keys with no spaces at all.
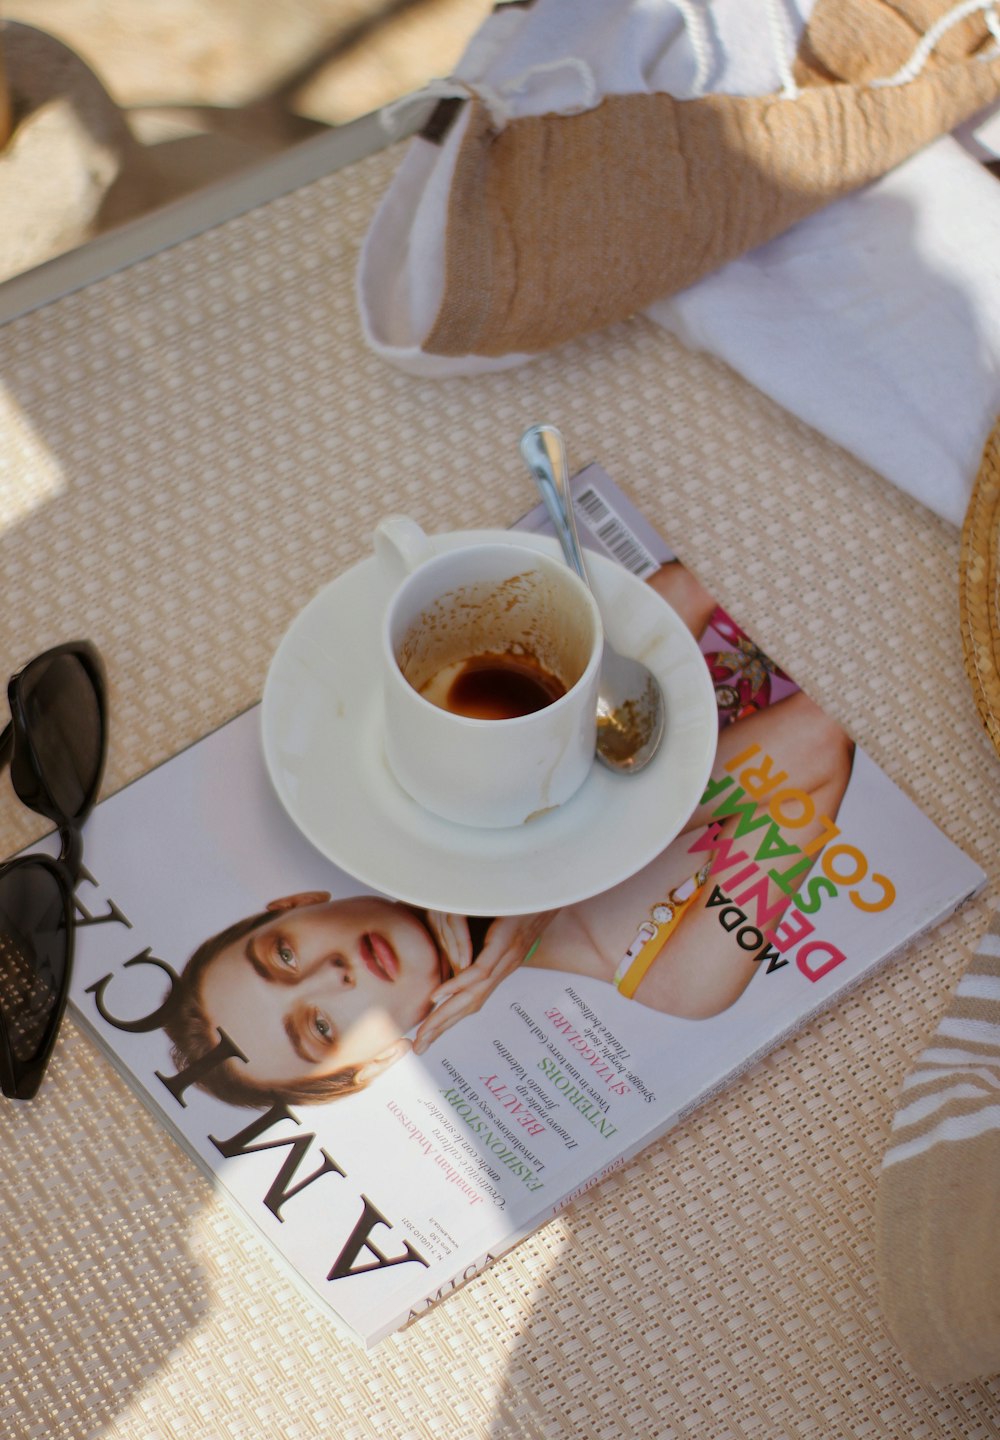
{"x":6,"y":744}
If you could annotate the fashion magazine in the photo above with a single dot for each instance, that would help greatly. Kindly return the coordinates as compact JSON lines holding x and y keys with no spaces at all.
{"x":393,"y":1095}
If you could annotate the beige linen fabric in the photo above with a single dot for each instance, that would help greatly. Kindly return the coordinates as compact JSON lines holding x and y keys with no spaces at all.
{"x":190,"y":449}
{"x":560,"y":224}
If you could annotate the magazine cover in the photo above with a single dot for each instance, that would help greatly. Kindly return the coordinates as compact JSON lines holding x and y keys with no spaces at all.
{"x":393,"y":1096}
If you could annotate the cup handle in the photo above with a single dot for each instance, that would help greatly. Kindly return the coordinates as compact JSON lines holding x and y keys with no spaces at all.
{"x":400,"y":546}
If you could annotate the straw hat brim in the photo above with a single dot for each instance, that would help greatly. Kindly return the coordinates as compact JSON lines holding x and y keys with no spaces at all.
{"x":979,"y":574}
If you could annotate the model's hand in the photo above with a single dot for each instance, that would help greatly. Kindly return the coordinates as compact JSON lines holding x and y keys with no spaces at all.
{"x":451,"y":933}
{"x":508,"y":941}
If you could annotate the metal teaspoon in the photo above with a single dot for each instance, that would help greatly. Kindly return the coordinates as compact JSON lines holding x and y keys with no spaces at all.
{"x":630,"y":708}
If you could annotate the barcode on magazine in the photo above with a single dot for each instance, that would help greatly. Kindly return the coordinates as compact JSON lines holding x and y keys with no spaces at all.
{"x":608,"y":527}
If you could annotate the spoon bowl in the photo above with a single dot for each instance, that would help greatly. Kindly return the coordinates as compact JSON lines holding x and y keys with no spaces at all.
{"x":630,"y":705}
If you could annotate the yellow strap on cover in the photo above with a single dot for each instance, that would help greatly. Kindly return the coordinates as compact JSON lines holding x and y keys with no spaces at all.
{"x":628,"y":983}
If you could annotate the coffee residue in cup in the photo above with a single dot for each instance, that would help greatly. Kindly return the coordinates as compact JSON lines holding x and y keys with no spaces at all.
{"x":494,"y":686}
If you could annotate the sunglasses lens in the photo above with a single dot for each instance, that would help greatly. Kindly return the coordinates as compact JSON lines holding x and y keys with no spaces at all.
{"x":64,"y":721}
{"x":34,"y":961}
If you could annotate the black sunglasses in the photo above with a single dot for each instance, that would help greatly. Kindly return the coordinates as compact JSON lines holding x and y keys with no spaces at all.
{"x":55,"y":744}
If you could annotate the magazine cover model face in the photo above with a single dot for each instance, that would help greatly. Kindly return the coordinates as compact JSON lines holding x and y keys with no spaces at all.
{"x":322,"y":986}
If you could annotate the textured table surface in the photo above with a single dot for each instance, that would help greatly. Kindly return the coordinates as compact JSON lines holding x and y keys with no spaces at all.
{"x":190,"y":448}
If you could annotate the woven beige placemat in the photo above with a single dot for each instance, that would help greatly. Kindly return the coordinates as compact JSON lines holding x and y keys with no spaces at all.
{"x":978,"y":587}
{"x":191,"y":448}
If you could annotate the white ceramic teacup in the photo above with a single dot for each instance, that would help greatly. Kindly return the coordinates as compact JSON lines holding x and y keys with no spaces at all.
{"x":482,"y":627}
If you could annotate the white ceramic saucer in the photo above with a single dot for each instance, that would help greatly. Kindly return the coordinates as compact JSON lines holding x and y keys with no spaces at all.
{"x":321,"y":723}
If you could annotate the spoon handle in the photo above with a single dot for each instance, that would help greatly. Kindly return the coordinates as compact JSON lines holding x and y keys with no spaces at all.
{"x":544,"y":453}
